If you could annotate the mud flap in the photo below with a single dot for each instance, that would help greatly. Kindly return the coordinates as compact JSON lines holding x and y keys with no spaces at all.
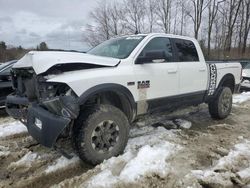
{"x":44,"y":126}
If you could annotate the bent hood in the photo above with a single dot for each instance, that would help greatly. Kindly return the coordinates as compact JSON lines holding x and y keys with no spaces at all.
{"x":42,"y":61}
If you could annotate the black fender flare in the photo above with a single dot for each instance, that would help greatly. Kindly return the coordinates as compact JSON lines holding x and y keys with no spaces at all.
{"x":120,"y":89}
{"x":224,"y":79}
{"x":220,"y":85}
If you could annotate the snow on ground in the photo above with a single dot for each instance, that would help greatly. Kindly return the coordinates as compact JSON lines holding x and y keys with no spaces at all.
{"x":145,"y":154}
{"x":240,"y":98}
{"x":25,"y":161}
{"x":12,"y":128}
{"x":61,"y":163}
{"x":184,"y":124}
{"x":4,"y":151}
{"x":236,"y":165}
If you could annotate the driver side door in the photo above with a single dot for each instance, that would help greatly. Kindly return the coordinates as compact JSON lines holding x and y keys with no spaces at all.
{"x":157,"y":78}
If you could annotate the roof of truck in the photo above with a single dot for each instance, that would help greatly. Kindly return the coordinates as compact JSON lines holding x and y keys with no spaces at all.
{"x":161,"y":34}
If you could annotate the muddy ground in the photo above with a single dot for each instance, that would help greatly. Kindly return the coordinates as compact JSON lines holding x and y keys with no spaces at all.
{"x":24,"y":163}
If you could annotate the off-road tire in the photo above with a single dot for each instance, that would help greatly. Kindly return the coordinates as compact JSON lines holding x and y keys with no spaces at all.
{"x":221,"y":106}
{"x":87,"y":123}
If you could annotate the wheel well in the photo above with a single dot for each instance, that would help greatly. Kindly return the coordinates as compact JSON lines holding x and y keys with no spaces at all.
{"x":114,"y":98}
{"x":228,"y":81}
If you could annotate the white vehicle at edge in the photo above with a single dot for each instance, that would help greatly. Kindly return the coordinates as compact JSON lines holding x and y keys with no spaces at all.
{"x":94,"y":96}
{"x":245,"y":85}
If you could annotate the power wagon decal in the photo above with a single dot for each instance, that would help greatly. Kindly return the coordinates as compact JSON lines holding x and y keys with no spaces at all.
{"x":212,"y":79}
{"x":143,"y":84}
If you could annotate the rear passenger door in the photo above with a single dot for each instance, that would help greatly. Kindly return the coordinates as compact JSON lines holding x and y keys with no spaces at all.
{"x":192,"y":72}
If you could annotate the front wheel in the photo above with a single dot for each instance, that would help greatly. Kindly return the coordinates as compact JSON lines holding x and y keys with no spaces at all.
{"x":221,"y":106}
{"x":100,"y":133}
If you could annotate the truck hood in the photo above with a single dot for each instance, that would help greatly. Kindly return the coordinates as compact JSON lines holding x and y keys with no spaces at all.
{"x":42,"y":61}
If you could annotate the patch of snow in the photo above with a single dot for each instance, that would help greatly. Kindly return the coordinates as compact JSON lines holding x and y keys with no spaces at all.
{"x":184,"y":124}
{"x":149,"y":159}
{"x":145,"y":154}
{"x":244,"y":175}
{"x":152,"y":137}
{"x":4,"y":151}
{"x":235,"y":158}
{"x":135,"y":132}
{"x":245,"y":83}
{"x":61,"y":163}
{"x":237,"y":162}
{"x":240,"y":98}
{"x":13,"y":128}
{"x":25,"y":161}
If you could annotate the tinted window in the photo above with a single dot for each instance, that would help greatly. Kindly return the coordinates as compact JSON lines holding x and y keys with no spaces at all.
{"x":186,"y":50}
{"x":159,"y":44}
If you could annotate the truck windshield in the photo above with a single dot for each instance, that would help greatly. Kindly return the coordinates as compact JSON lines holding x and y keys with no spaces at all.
{"x":247,"y":66}
{"x":117,"y":48}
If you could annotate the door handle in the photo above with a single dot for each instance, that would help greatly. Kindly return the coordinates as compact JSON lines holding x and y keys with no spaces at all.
{"x":202,"y":70}
{"x":172,"y":71}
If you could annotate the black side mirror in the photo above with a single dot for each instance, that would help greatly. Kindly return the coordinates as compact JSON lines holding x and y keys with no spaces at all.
{"x":150,"y":56}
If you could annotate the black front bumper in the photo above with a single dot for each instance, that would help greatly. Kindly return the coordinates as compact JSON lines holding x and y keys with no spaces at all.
{"x":43,"y":125}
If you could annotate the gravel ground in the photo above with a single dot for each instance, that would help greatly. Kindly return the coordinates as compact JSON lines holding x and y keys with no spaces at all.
{"x":182,"y":149}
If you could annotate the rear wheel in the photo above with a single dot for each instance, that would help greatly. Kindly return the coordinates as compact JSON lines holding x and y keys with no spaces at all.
{"x":100,"y":133}
{"x":221,"y":107}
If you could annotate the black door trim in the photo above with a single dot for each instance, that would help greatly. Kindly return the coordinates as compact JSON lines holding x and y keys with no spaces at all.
{"x":173,"y":102}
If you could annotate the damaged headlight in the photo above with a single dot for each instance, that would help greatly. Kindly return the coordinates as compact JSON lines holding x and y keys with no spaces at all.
{"x":48,"y":90}
{"x":59,"y":99}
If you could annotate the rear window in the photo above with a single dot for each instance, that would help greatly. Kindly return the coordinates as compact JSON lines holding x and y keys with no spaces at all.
{"x":186,"y":50}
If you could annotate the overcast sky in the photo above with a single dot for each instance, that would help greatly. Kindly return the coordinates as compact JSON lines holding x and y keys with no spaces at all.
{"x":59,"y":23}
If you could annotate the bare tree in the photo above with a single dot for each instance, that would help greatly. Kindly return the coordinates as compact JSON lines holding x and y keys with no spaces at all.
{"x":226,"y":22}
{"x":151,"y":8}
{"x":164,"y":14}
{"x":115,"y":14}
{"x":101,"y":19}
{"x":182,"y":15}
{"x":213,"y":7}
{"x":198,"y":7}
{"x":92,"y":36}
{"x":247,"y":25}
{"x":240,"y":26}
{"x":234,"y":7}
{"x":134,"y":15}
{"x":106,"y":23}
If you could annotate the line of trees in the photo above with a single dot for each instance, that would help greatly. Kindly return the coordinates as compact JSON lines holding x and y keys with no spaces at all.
{"x":11,"y":53}
{"x":221,"y":26}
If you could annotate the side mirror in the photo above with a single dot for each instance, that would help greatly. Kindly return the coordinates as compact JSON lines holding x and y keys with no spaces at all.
{"x":151,"y":56}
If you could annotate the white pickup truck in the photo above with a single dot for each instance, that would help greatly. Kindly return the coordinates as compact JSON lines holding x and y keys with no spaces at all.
{"x":93,"y":97}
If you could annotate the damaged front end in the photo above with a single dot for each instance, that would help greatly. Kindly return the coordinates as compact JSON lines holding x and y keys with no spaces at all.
{"x":46,"y":108}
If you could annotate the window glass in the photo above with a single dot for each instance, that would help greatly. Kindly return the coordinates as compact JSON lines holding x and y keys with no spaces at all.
{"x":158,"y":45}
{"x":186,"y":50}
{"x":247,"y":66}
{"x":117,"y":48}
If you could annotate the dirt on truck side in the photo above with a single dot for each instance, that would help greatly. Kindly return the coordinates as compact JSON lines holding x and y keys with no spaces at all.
{"x":181,"y":149}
